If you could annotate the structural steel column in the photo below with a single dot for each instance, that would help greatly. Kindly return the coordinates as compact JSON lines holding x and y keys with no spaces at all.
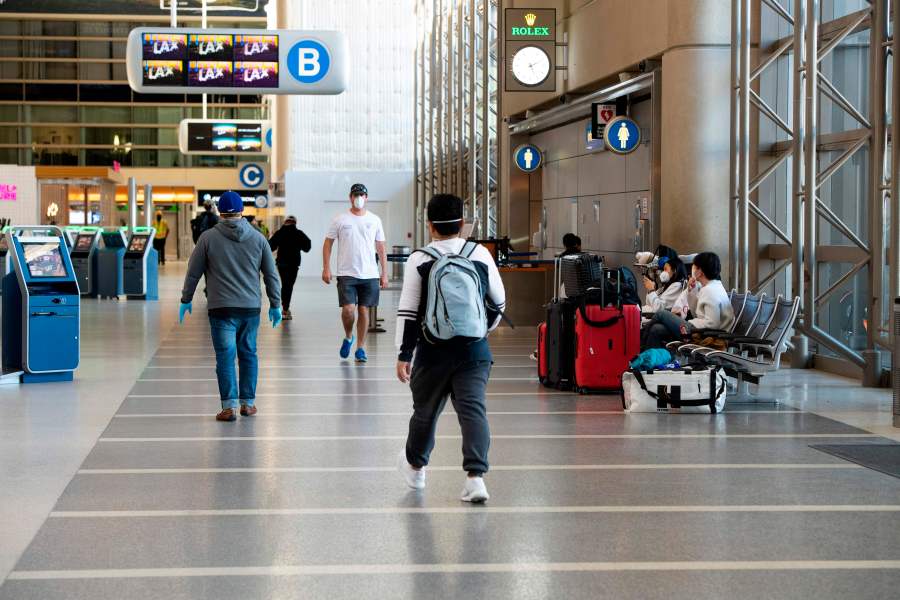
{"x":148,"y":205}
{"x":485,"y":119}
{"x":800,"y":354}
{"x":132,"y":204}
{"x":473,"y":113}
{"x":734,"y":190}
{"x":744,"y":179}
{"x":877,"y":68}
{"x":460,"y":97}
{"x":894,"y":242}
{"x":810,"y":139}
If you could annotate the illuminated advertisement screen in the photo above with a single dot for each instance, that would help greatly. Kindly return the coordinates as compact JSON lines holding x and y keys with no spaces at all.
{"x":163,"y":72}
{"x":209,"y":73}
{"x":210,"y":47}
{"x":224,"y":137}
{"x":210,"y":60}
{"x":256,"y":48}
{"x":255,"y":74}
{"x":164,"y":46}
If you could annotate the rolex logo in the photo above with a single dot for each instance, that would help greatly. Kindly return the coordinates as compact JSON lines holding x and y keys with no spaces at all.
{"x":530,"y":30}
{"x":530,"y":18}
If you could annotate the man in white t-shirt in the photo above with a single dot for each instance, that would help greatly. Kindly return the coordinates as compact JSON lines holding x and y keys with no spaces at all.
{"x":360,"y":235}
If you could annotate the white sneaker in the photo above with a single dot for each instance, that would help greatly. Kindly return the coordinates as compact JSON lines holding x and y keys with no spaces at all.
{"x":475,"y":490}
{"x":414,"y":479}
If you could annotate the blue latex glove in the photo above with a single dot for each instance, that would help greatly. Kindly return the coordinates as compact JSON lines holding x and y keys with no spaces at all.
{"x":275,"y":316}
{"x":184,"y":308}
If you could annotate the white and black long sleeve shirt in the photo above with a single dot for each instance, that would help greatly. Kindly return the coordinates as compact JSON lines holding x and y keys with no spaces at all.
{"x":413,"y":300}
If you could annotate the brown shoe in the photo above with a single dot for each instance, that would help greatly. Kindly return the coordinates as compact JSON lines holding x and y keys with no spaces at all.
{"x":248,"y":411}
{"x":226,"y":415}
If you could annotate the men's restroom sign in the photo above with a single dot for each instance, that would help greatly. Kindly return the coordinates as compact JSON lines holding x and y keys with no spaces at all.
{"x":251,"y":175}
{"x":622,"y":135}
{"x":308,"y":61}
{"x":528,"y":158}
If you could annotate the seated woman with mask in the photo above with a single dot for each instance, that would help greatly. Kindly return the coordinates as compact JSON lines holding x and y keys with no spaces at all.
{"x":708,"y":301}
{"x":672,"y":276}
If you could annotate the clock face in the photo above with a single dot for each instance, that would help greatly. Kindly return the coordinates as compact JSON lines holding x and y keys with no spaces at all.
{"x":531,"y":65}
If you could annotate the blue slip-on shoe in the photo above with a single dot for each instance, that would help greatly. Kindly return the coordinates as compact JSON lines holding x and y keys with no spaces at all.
{"x":361,"y":355}
{"x":345,"y":347}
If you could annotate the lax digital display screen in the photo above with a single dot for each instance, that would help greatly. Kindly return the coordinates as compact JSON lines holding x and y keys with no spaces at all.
{"x":210,"y":60}
{"x":224,"y":137}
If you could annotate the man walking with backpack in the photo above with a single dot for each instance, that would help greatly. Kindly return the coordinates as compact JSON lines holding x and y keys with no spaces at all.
{"x":205,"y":220}
{"x":452,"y":298}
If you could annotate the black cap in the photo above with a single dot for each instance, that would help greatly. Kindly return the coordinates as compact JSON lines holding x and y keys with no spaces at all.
{"x":358,"y":189}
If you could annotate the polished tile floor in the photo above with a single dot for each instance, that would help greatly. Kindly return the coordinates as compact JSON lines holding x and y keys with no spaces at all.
{"x":303,"y":501}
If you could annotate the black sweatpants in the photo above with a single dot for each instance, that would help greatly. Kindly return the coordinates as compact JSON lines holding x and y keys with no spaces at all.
{"x":288,"y":275}
{"x":465,"y":384}
{"x":159,"y":244}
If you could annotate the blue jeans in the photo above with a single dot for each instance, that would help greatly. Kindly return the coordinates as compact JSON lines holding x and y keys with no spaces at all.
{"x":232,"y":338}
{"x":664,"y":328}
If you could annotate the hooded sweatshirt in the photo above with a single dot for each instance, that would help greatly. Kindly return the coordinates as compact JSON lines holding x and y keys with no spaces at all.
{"x":231,"y":256}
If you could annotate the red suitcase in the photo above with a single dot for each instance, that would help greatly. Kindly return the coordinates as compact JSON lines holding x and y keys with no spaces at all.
{"x":606,"y":340}
{"x":542,"y":352}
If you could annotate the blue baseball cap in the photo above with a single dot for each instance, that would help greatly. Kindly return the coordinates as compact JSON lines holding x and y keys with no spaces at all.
{"x":662,"y":261}
{"x":231,"y":202}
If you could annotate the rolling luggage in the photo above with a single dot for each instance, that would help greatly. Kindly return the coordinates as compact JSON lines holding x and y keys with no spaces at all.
{"x":701,"y":389}
{"x":542,"y":352}
{"x":606,"y":339}
{"x":579,"y":272}
{"x":560,"y":349}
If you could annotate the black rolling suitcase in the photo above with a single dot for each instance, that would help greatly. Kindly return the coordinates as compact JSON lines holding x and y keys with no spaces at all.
{"x":560,"y":340}
{"x":580,"y":272}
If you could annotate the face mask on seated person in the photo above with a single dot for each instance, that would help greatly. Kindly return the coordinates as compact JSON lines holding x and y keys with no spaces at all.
{"x":359,"y":202}
{"x":664,"y":278}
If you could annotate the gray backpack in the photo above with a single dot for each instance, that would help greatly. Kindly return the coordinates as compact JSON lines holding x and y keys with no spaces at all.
{"x":455,"y":304}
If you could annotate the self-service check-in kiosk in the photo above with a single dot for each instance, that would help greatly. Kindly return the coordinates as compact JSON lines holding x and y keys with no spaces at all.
{"x":4,"y":256}
{"x":110,"y":260}
{"x":84,"y":259}
{"x":41,"y":307}
{"x":71,"y":232}
{"x":140,"y":270}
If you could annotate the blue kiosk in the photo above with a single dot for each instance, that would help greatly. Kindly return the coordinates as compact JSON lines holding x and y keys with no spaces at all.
{"x":84,"y":259}
{"x":41,"y":307}
{"x":140,"y":268}
{"x":110,"y":262}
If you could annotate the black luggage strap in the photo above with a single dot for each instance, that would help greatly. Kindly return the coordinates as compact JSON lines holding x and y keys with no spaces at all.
{"x":582,"y":308}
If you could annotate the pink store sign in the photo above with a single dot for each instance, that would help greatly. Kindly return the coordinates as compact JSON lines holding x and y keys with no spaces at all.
{"x":8,"y":192}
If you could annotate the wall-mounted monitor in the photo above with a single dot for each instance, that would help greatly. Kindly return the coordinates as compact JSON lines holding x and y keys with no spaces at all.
{"x":214,"y":136}
{"x":163,"y":60}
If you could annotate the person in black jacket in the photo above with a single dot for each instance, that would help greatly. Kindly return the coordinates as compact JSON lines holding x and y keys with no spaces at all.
{"x":205,"y":220}
{"x":289,"y":242}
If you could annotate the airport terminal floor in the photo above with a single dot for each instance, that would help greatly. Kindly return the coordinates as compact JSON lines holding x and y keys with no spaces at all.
{"x":122,"y":485}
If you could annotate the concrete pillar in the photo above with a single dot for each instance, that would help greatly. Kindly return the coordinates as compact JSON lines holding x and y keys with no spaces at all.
{"x":132,"y":204}
{"x":280,"y":112}
{"x":148,"y":206}
{"x":696,"y":145}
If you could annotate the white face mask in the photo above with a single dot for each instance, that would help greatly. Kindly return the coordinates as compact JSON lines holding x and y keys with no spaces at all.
{"x":664,"y":277}
{"x":359,"y":202}
{"x":695,"y":274}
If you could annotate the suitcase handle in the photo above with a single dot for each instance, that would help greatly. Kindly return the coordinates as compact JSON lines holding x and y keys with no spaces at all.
{"x":582,"y":308}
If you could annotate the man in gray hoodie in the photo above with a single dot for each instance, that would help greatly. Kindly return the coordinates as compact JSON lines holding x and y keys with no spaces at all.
{"x":231,"y":256}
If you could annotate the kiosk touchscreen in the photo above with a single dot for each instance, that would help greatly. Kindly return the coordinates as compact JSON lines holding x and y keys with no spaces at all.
{"x":41,"y":309}
{"x":140,"y":267}
{"x":110,"y":260}
{"x":84,"y":260}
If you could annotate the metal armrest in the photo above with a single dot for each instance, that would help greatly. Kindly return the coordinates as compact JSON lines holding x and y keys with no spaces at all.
{"x":751,"y":341}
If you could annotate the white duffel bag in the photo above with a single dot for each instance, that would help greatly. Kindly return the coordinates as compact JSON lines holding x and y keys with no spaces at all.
{"x":677,"y":390}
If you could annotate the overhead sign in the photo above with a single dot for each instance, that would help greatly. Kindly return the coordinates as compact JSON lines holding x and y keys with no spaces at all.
{"x":251,"y":175}
{"x":528,"y":158}
{"x":601,"y":115}
{"x":623,"y":135}
{"x":166,"y":60}
{"x":530,"y":36}
{"x":219,"y":136}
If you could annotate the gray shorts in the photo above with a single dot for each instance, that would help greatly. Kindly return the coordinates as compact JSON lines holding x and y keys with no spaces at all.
{"x":361,"y":292}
